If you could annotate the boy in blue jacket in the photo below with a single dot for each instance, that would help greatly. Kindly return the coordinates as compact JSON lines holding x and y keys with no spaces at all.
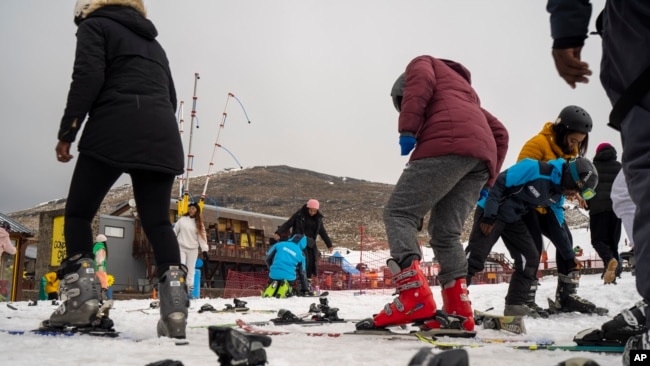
{"x":527,"y":185}
{"x":284,"y":259}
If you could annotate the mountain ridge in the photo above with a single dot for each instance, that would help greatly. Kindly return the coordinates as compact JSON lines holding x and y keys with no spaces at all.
{"x":280,"y":190}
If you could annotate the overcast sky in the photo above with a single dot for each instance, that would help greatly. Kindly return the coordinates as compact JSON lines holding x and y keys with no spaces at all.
{"x":314,"y":78}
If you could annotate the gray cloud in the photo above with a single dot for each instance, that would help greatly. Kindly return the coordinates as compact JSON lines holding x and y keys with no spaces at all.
{"x":313,"y":76}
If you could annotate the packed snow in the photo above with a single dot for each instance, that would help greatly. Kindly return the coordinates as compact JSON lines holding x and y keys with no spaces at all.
{"x":139,"y":344}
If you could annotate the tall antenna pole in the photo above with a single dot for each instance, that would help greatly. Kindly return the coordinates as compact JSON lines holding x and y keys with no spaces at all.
{"x":190,"y":157}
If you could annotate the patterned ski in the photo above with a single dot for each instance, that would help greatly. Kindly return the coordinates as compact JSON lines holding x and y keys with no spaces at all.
{"x":510,"y":323}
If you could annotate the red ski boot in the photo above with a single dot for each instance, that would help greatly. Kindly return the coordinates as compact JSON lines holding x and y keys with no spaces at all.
{"x":414,"y":302}
{"x":455,"y":300}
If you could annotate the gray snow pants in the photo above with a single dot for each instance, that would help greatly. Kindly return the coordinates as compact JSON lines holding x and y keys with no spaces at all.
{"x":447,"y":187}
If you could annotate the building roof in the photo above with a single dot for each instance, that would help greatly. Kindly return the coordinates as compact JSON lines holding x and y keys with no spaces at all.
{"x":212,"y":213}
{"x":15,"y":226}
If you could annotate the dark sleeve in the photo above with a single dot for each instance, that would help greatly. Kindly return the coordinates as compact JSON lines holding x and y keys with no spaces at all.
{"x":87,"y":78}
{"x":270,"y":256}
{"x":288,"y":224}
{"x":569,"y":22}
{"x":323,"y":234}
{"x":501,"y":138}
{"x":493,"y":200}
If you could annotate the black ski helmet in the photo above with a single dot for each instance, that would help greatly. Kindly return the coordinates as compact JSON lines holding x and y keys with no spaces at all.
{"x":575,"y":118}
{"x":398,"y":91}
{"x":584,"y":176}
{"x":5,"y":225}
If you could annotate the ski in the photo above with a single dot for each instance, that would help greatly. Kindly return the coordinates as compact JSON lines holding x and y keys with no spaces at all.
{"x":595,"y":337}
{"x":255,"y":330}
{"x":238,"y":306}
{"x":83,"y":331}
{"x":383,"y":332}
{"x":510,"y":323}
{"x":577,"y":348}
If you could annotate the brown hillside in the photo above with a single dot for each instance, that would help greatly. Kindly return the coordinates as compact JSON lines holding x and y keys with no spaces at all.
{"x":346,"y":203}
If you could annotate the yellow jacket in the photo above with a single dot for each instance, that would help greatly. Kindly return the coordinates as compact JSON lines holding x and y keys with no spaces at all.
{"x":544,"y":147}
{"x":52,"y":284}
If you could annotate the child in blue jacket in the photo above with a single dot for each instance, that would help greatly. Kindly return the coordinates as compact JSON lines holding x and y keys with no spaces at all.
{"x":526,"y":185}
{"x":284,"y":259}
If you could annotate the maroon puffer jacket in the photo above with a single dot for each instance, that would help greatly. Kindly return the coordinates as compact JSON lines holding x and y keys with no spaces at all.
{"x":443,"y":111}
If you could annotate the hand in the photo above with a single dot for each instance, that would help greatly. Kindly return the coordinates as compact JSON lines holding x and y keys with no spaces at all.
{"x":63,"y":151}
{"x":581,"y":202}
{"x":206,"y":256}
{"x":486,"y":229}
{"x":407,"y":143}
{"x":569,"y":66}
{"x":276,"y":236}
{"x":330,"y":249}
{"x":578,"y":262}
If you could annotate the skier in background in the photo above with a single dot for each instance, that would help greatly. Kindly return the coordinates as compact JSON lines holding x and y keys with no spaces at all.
{"x":191,"y":235}
{"x":457,"y":148}
{"x":308,"y":221}
{"x":122,"y":82}
{"x":52,"y":286}
{"x":284,"y":259}
{"x":604,"y":225}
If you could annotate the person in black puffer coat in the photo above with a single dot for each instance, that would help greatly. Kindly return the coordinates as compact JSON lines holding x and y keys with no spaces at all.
{"x":122,"y":81}
{"x":604,"y":225}
{"x":308,"y":221}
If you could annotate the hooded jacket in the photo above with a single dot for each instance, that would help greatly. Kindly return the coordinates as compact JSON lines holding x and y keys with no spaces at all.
{"x":441,"y":109}
{"x":527,"y":184}
{"x":310,"y":226}
{"x":544,"y":147}
{"x":607,"y":166}
{"x":122,"y":82}
{"x":284,"y":257}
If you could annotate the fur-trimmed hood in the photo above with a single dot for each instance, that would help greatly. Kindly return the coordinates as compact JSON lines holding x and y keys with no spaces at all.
{"x":83,"y":8}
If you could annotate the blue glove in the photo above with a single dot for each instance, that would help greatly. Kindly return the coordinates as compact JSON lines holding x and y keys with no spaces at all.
{"x":407,"y":143}
{"x":483,"y":194}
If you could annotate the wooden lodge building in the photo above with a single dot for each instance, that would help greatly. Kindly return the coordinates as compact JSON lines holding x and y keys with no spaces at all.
{"x":238,"y":240}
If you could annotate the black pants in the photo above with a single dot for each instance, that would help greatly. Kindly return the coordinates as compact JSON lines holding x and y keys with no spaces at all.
{"x":92,"y":179}
{"x":605,"y":234}
{"x":522,"y":250}
{"x":311,"y":256}
{"x":547,"y":224}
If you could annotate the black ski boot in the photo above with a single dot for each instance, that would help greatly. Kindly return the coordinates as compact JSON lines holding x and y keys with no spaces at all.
{"x":79,"y":293}
{"x":530,"y":300}
{"x":637,"y":342}
{"x":627,"y":323}
{"x":567,"y":299}
{"x":240,"y":304}
{"x":173,"y":303}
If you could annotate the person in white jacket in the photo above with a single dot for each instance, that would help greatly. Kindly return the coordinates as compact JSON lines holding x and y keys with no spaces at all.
{"x":191,"y":235}
{"x":5,"y":240}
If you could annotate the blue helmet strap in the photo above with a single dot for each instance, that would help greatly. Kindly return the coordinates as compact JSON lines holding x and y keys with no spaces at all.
{"x":574,"y":173}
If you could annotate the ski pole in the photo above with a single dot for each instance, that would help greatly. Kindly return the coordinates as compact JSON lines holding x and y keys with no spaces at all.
{"x":190,"y":157}
{"x":181,"y":123}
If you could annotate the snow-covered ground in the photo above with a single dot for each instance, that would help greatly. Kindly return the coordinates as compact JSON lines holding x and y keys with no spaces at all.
{"x":297,"y":349}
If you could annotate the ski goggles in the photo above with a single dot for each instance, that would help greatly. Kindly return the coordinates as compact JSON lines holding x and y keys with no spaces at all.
{"x":586,"y":192}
